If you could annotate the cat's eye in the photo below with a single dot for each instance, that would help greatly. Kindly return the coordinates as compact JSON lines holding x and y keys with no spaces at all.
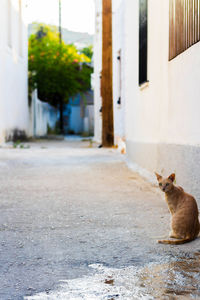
{"x":160,"y":184}
{"x":167,"y":184}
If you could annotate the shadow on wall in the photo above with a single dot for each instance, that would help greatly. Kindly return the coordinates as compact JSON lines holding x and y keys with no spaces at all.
{"x":15,"y":135}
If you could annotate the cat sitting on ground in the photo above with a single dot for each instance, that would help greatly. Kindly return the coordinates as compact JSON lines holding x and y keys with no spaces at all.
{"x":184,"y":210}
{"x":121,"y":145}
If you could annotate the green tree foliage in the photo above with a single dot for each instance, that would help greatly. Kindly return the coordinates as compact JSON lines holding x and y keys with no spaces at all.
{"x":57,"y":70}
{"x":88,"y":51}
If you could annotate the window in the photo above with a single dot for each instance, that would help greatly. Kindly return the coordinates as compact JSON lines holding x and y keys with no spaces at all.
{"x":184,"y":25}
{"x":143,"y":23}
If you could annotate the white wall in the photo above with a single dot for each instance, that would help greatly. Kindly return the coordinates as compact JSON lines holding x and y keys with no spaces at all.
{"x":41,"y":116}
{"x":13,"y":71}
{"x":88,"y":126}
{"x":183,"y":126}
{"x":118,"y":48}
{"x":97,"y":71}
{"x":144,"y":105}
{"x":167,"y":109}
{"x":162,"y":117}
{"x":118,"y":45}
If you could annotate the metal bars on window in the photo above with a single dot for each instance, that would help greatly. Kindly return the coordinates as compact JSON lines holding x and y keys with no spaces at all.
{"x":184,"y":25}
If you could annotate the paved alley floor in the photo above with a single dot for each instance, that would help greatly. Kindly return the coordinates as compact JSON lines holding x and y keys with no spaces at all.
{"x":76,"y":223}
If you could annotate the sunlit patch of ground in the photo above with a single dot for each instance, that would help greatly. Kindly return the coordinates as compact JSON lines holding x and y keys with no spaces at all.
{"x":173,"y":280}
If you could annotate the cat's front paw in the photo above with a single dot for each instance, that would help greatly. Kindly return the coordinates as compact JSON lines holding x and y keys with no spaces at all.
{"x":172,"y":235}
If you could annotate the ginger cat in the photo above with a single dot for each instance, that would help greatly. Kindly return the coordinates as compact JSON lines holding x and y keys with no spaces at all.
{"x":184,"y":210}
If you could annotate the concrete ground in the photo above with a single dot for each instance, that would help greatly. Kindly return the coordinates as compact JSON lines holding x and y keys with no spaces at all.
{"x":76,"y":223}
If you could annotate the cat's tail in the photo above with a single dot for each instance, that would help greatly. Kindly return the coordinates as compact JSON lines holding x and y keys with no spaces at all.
{"x":175,"y":242}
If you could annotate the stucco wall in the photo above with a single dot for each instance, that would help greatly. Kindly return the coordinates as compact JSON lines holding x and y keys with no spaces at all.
{"x":118,"y":46}
{"x":143,"y":106}
{"x":41,"y":117}
{"x":167,"y":109}
{"x":162,"y":118}
{"x":88,"y":126}
{"x":118,"y":49}
{"x":184,"y":98}
{"x":13,"y":71}
{"x":97,"y":71}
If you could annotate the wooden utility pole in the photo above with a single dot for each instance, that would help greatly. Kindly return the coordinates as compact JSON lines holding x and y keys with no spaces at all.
{"x":106,"y":81}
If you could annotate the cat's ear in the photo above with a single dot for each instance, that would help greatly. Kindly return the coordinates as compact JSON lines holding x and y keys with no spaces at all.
{"x":159,"y":177}
{"x":172,"y":177}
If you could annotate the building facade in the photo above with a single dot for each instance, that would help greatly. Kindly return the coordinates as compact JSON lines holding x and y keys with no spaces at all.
{"x":158,"y":42}
{"x":118,"y":70}
{"x":96,"y":79}
{"x":13,"y":71}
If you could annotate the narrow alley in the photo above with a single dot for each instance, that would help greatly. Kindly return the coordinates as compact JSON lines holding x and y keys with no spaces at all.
{"x":76,"y":223}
